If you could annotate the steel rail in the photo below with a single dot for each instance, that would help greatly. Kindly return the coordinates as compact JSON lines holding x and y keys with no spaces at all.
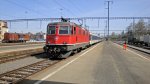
{"x":17,"y":57}
{"x":17,"y":75}
{"x":20,"y":74}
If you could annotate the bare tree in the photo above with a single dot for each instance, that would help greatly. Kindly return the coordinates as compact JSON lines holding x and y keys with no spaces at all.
{"x":129,"y":29}
{"x":140,"y":28}
{"x":148,"y":27}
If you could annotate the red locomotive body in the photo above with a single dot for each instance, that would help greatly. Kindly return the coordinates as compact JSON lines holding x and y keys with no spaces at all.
{"x":65,"y":37}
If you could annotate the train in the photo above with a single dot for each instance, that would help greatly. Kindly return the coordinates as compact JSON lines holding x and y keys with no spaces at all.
{"x":64,"y":38}
{"x":141,"y":40}
{"x":94,"y":39}
{"x":15,"y":37}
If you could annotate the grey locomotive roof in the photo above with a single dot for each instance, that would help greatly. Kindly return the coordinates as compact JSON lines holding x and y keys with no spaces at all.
{"x":65,"y":23}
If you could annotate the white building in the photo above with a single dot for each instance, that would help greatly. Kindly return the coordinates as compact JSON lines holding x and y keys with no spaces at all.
{"x":3,"y":29}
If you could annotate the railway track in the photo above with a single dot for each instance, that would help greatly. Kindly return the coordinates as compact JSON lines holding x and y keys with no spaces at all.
{"x":11,"y":44}
{"x":17,"y":75}
{"x":20,"y":55}
{"x":144,"y":50}
{"x":17,"y":57}
{"x":144,"y":47}
{"x":140,"y":46}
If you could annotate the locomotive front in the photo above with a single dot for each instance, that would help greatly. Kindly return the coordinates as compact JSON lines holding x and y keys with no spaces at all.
{"x":58,"y":39}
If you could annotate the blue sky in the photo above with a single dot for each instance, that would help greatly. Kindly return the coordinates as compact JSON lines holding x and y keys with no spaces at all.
{"x":16,"y":9}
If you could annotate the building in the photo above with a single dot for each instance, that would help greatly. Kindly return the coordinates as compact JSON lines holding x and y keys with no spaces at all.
{"x":3,"y":29}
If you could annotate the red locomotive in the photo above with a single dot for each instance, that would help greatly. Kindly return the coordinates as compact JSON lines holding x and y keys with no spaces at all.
{"x":15,"y":37}
{"x":65,"y":38}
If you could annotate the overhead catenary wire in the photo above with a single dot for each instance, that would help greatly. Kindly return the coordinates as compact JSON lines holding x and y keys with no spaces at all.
{"x":43,"y":5}
{"x":80,"y":18}
{"x":7,"y":15}
{"x":75,"y":6}
{"x":19,"y":5}
{"x":55,"y":1}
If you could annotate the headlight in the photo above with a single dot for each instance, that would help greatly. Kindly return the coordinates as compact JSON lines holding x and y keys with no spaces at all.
{"x":64,"y":42}
{"x":48,"y":42}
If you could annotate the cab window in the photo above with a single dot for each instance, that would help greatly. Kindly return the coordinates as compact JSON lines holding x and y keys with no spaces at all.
{"x":65,"y":30}
{"x":51,"y":30}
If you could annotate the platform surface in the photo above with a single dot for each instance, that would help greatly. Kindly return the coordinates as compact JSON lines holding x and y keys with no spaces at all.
{"x":103,"y":63}
{"x":5,"y":49}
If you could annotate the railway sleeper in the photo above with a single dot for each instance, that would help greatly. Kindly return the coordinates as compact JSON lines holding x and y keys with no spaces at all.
{"x":35,"y":68}
{"x":43,"y":65}
{"x":10,"y":77}
{"x":39,"y":66}
{"x":29,"y":70}
{"x":17,"y":75}
{"x":4,"y":82}
{"x":23,"y":73}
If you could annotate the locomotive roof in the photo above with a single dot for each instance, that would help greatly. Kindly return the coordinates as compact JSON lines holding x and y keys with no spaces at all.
{"x":63,"y":23}
{"x":66,"y":23}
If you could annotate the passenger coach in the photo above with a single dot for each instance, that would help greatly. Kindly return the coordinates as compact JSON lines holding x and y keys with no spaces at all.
{"x":65,"y":37}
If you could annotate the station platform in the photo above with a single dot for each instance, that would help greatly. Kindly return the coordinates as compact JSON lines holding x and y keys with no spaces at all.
{"x":6,"y":49}
{"x":103,"y":63}
{"x":141,"y":49}
{"x":134,"y":47}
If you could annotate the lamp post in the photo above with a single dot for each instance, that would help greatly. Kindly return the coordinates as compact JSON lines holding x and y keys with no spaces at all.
{"x":108,"y":3}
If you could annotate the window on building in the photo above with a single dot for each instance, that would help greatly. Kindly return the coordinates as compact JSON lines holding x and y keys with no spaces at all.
{"x":5,"y":24}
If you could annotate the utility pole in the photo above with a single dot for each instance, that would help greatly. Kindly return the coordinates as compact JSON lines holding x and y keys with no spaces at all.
{"x":85,"y":23}
{"x":26,"y":18}
{"x":108,"y":3}
{"x":98,"y":23}
{"x":10,"y":25}
{"x":105,"y":28}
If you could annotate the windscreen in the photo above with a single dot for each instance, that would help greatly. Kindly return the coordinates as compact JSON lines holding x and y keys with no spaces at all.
{"x":64,"y":30}
{"x":51,"y":30}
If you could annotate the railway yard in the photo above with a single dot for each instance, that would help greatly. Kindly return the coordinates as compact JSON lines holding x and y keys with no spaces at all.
{"x":72,"y":54}
{"x":74,"y":42}
{"x":129,"y":66}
